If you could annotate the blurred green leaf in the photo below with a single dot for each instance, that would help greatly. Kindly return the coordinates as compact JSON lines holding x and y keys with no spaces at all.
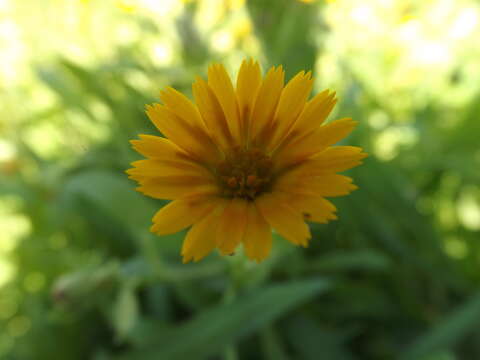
{"x":125,"y":310}
{"x":341,"y":260}
{"x":285,"y":28}
{"x":112,"y":193}
{"x":273,"y":347}
{"x":315,"y":343}
{"x":74,"y":289}
{"x":447,"y":333}
{"x":207,"y":333}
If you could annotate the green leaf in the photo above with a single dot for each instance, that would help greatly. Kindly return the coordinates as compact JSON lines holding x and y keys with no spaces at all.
{"x":125,"y":311}
{"x":272,"y":346}
{"x":208,"y":333}
{"x":286,"y":30}
{"x":78,"y":287}
{"x":309,"y":340}
{"x":112,"y":193}
{"x":448,"y":332}
{"x":341,"y":260}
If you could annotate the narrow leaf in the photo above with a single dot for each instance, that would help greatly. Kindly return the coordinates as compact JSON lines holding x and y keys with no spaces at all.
{"x":207,"y":334}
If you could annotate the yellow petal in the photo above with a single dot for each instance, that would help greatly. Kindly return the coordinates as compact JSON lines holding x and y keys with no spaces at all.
{"x":284,"y":219}
{"x":232,"y":226}
{"x":222,"y":87}
{"x":174,"y":187}
{"x":181,"y":213}
{"x":193,"y":139}
{"x":266,"y":102}
{"x":315,"y":113}
{"x":249,"y":80}
{"x":335,"y":159}
{"x":160,"y":167}
{"x":157,"y":147}
{"x":258,"y":235}
{"x":329,"y":161}
{"x":313,"y":208}
{"x":330,"y":185}
{"x":324,"y":185}
{"x":299,"y":149}
{"x":201,"y":238}
{"x":181,"y":106}
{"x":212,"y":113}
{"x":292,"y":101}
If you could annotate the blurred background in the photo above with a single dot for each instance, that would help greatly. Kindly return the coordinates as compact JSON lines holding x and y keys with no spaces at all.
{"x":396,"y":277}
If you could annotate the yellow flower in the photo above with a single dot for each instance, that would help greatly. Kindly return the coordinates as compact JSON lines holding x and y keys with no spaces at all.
{"x":243,"y":160}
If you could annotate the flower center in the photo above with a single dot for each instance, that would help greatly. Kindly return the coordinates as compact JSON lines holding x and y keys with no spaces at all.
{"x":245,"y":173}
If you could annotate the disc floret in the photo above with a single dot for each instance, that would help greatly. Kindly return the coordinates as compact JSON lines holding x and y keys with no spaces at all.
{"x":245,"y":173}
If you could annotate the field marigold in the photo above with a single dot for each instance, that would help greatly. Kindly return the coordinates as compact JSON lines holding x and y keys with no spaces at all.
{"x":243,"y":160}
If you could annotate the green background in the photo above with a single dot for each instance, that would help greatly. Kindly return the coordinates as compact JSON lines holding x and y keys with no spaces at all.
{"x":396,"y":277}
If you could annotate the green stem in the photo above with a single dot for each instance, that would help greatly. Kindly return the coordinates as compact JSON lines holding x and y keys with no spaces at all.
{"x":236,"y":277}
{"x":230,"y":353}
{"x":150,"y":253}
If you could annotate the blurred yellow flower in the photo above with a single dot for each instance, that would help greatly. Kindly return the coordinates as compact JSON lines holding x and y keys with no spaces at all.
{"x":242,"y":28}
{"x":127,"y":6}
{"x":242,"y":160}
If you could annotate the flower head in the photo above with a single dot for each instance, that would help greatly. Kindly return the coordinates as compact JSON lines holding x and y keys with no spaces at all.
{"x":242,"y":160}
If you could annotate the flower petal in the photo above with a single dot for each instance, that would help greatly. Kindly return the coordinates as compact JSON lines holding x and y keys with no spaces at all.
{"x":181,"y":213}
{"x":258,"y":235}
{"x":324,"y":185}
{"x":315,"y":113}
{"x":291,"y":103}
{"x":181,"y":106}
{"x":299,"y":149}
{"x":157,"y":147}
{"x":159,"y":167}
{"x":191,"y":138}
{"x":335,"y":159}
{"x":249,"y":80}
{"x":284,"y":219}
{"x":201,"y":238}
{"x":266,"y":102}
{"x":212,"y":113}
{"x":313,"y":208}
{"x":232,"y":226}
{"x":222,"y":87}
{"x":174,"y":187}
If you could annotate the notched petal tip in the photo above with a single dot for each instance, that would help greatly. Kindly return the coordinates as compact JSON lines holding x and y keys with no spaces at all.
{"x":215,"y":67}
{"x":276,"y":71}
{"x":136,"y":163}
{"x":348,"y":120}
{"x":150,"y":107}
{"x":363,"y":155}
{"x":186,"y":259}
{"x":247,"y":62}
{"x":305,"y":243}
{"x":152,"y":229}
{"x":129,"y":172}
{"x":198,"y":81}
{"x":304,"y":76}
